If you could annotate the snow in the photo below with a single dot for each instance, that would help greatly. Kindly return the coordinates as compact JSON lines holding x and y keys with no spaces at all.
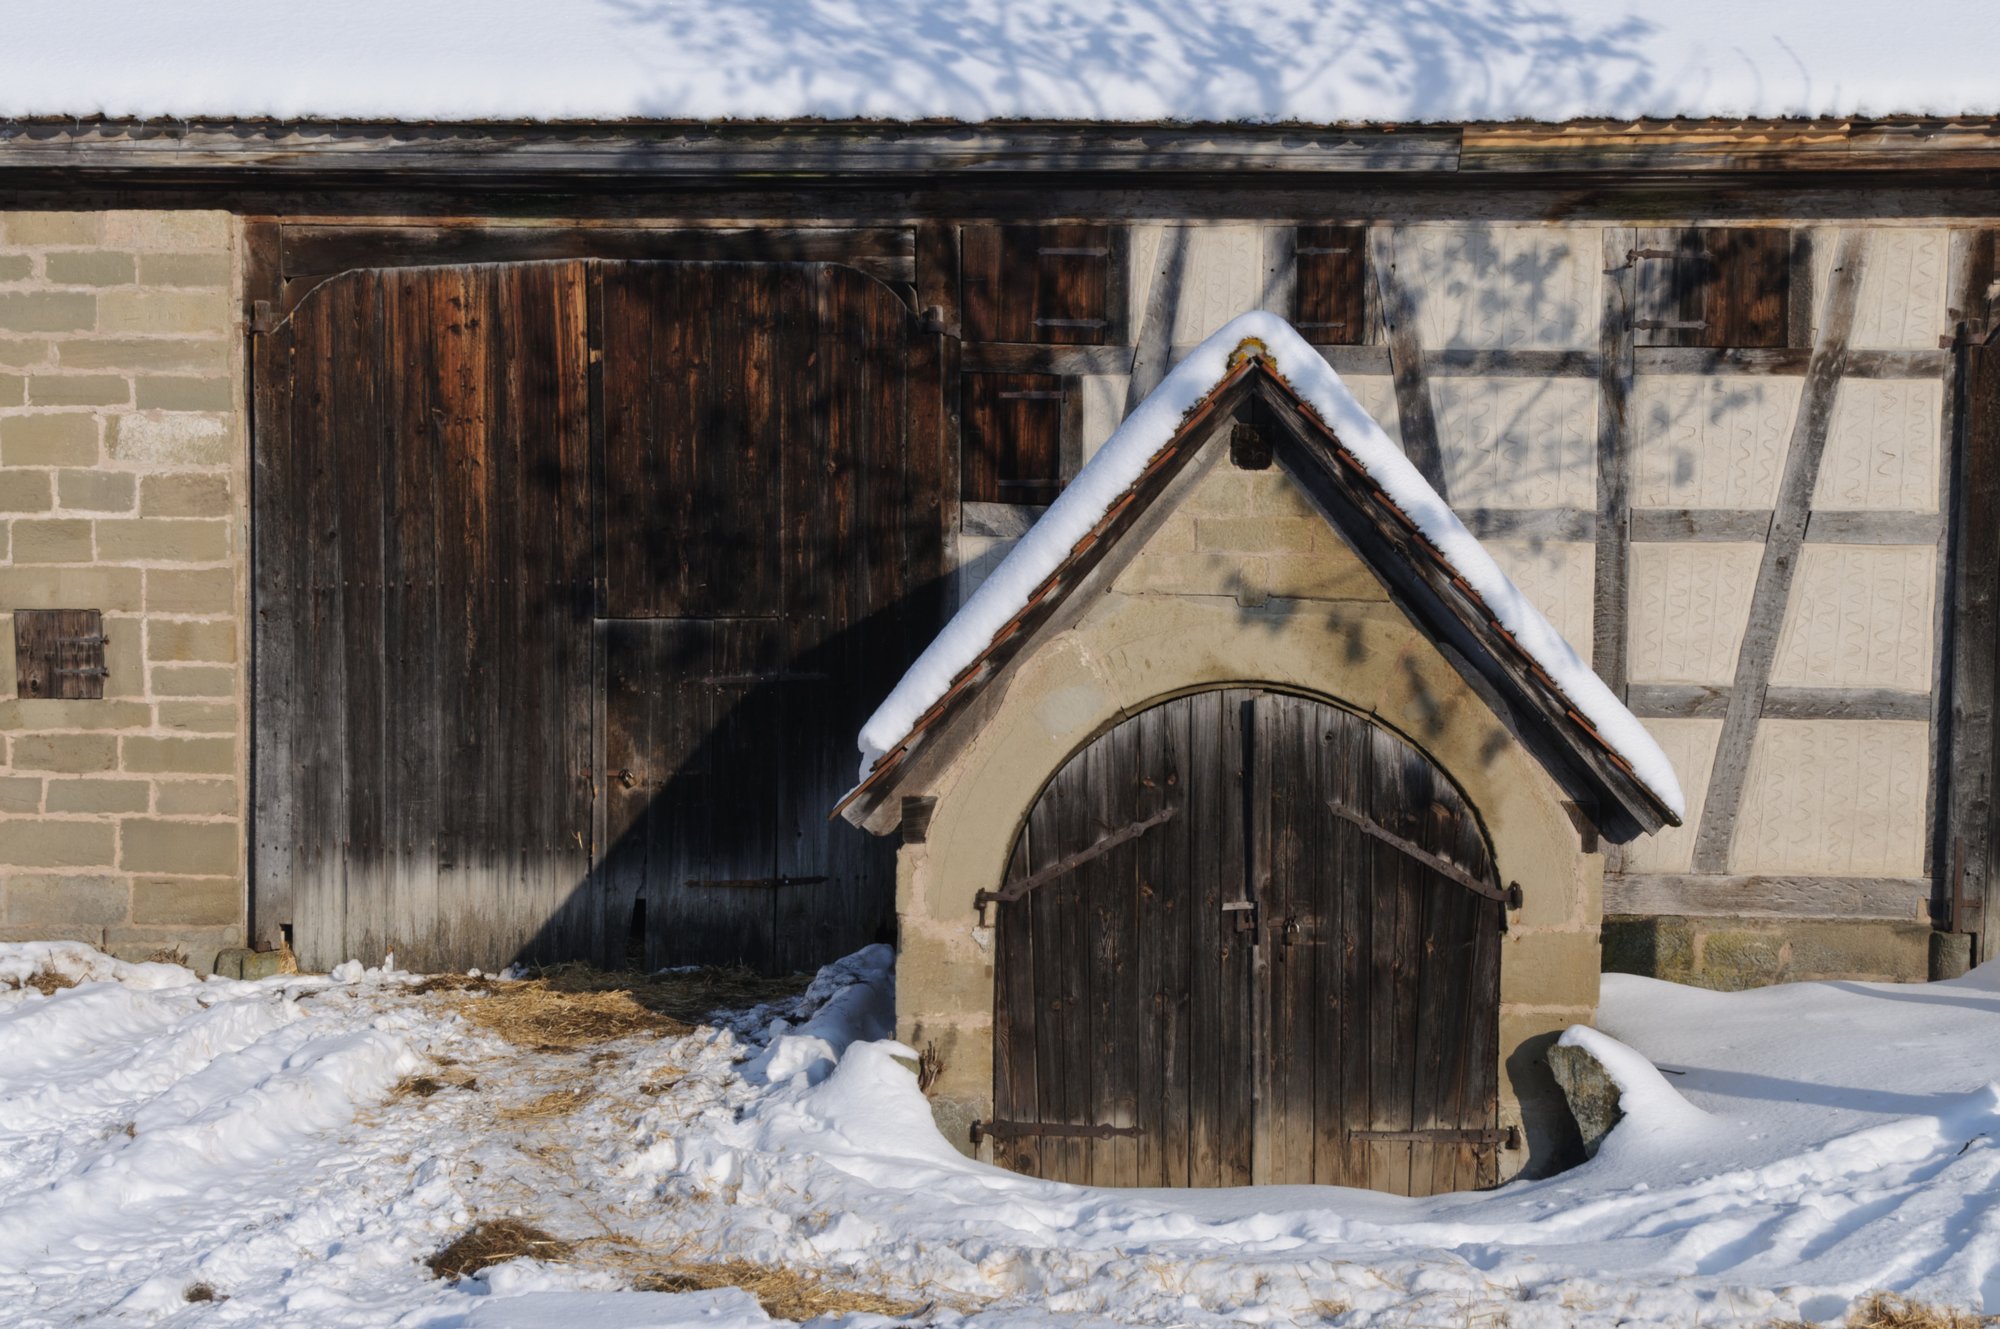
{"x":1783,"y":1152}
{"x":1319,"y":61}
{"x":1123,"y":458}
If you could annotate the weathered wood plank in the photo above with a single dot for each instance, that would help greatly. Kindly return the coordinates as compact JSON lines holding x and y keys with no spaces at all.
{"x":1330,"y":291}
{"x":1690,"y":701}
{"x":1973,"y":644}
{"x":1005,"y":521}
{"x":1414,"y":408}
{"x":1787,"y":360}
{"x":1781,"y":551}
{"x":1752,"y":525}
{"x":1614,"y":460}
{"x":1712,"y":146}
{"x":1700,"y":895}
{"x":1152,"y":339}
{"x":1530,"y":523}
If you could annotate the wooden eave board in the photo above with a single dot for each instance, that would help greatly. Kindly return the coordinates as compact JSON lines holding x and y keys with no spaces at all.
{"x":219,"y":149}
{"x":1436,"y":597}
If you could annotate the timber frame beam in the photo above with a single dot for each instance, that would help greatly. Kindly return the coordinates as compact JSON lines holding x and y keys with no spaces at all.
{"x":218,"y":149}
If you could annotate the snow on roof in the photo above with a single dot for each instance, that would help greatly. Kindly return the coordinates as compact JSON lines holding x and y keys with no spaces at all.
{"x":1315,"y":61}
{"x":1109,"y":474}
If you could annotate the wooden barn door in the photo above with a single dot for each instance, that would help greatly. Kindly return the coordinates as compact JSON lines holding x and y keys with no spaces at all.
{"x":1249,"y":937}
{"x":574,"y":582}
{"x":773,"y":560}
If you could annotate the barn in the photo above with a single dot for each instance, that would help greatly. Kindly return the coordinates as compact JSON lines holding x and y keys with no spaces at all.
{"x":467,"y":509}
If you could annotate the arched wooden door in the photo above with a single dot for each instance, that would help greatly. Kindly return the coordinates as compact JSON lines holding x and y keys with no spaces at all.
{"x":1249,"y":937}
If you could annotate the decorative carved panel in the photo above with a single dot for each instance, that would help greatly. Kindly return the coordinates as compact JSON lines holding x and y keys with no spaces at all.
{"x":1838,"y":797}
{"x":1710,"y":441}
{"x":1860,"y":617}
{"x":1690,"y":604}
{"x":1518,"y":442}
{"x":1882,"y":446}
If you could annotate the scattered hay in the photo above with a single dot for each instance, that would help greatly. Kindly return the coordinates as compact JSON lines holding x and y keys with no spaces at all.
{"x":486,"y":1244}
{"x":1329,"y":1309}
{"x":423,"y":1086}
{"x":785,"y":1294}
{"x":570,"y":1006}
{"x":44,"y":981}
{"x":174,"y":954}
{"x":558,"y":1103}
{"x":1886,"y":1310}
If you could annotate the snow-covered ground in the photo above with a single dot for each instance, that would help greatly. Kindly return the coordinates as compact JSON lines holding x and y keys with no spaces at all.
{"x":1795,"y":1147}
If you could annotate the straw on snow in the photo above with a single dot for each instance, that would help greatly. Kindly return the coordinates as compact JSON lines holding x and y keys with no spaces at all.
{"x":1119,"y":463}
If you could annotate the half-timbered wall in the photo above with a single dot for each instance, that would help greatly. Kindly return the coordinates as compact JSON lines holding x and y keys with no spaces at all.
{"x":1716,"y":457}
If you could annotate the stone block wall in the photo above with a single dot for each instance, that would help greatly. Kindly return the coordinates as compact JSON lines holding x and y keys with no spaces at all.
{"x":122,"y":488}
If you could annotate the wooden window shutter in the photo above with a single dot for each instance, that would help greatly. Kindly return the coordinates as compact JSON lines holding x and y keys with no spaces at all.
{"x":1331,"y":306}
{"x":1013,"y":438}
{"x":1714,"y":286}
{"x":59,"y":654}
{"x":1054,"y":284}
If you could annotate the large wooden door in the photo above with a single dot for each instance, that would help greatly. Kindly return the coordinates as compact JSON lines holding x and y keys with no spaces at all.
{"x":573,"y":582}
{"x":1249,"y":937}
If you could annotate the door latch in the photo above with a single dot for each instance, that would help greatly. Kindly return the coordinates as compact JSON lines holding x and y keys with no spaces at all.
{"x":1245,"y":911}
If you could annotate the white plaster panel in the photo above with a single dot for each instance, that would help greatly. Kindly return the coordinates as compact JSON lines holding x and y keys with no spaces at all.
{"x":1377,"y":395}
{"x":1710,"y":440}
{"x":1902,"y":299}
{"x":1557,"y":576}
{"x":1882,"y":446}
{"x":978,"y":555}
{"x":1859,"y":616}
{"x":1503,"y":287}
{"x":1518,"y":442}
{"x":1226,"y":274}
{"x":1103,"y":409}
{"x":1690,"y":604}
{"x":1690,"y":746}
{"x":1834,"y":797}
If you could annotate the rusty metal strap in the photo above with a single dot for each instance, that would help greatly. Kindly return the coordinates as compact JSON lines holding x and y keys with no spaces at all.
{"x":1014,"y":890}
{"x":1011,"y":1130}
{"x":1441,"y":1135}
{"x":1410,"y":849}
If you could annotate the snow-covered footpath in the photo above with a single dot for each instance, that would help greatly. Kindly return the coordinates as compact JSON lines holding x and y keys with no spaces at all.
{"x":1784,"y":1150}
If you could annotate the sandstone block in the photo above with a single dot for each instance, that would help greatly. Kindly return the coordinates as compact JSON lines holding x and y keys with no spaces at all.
{"x":56,"y":540}
{"x":210,"y":591}
{"x":95,"y":491}
{"x":52,"y":228}
{"x":211,"y":642}
{"x":200,"y":717}
{"x":24,"y":352}
{"x":180,"y":756}
{"x":90,"y":267}
{"x":140,"y":309}
{"x":85,"y":794}
{"x":25,"y":491}
{"x":190,"y":847}
{"x":194,"y":681}
{"x":211,"y":269}
{"x":172,"y":438}
{"x":174,"y":230}
{"x":47,"y":311}
{"x":71,"y":588}
{"x":182,"y":393}
{"x":187,"y":901}
{"x":196,"y":798}
{"x":184,"y":496}
{"x":162,"y":540}
{"x":57,"y":844}
{"x":142,"y":354}
{"x":13,"y":390}
{"x":20,"y":793}
{"x":73,"y":753}
{"x":42,"y":901}
{"x":49,"y":440}
{"x":79,"y":390}
{"x":16,"y":267}
{"x":49,"y":713}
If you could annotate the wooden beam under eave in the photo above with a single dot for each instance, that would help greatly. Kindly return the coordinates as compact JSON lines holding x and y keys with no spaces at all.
{"x":1721,"y":146}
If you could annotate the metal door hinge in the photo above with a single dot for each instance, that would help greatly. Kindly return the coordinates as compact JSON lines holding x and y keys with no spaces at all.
{"x":1010,"y":1130}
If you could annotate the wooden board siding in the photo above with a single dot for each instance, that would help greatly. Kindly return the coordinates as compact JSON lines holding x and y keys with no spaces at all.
{"x":1013,"y":430}
{"x":1330,"y":301}
{"x":452,"y":618}
{"x":1714,"y":286}
{"x":1055,"y":284}
{"x":1252,"y":989}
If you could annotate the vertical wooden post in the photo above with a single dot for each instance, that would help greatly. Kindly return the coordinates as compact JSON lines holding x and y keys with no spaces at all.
{"x":1614,"y":462}
{"x":1414,"y":409}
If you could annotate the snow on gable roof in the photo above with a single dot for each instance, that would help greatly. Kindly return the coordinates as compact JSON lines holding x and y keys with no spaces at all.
{"x":1106,"y":485}
{"x":1256,"y":61}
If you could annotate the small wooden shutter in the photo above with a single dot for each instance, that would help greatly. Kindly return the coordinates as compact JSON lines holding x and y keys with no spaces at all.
{"x":1013,"y":438}
{"x":1049,"y":284}
{"x":1331,"y":306}
{"x":1714,"y":286}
